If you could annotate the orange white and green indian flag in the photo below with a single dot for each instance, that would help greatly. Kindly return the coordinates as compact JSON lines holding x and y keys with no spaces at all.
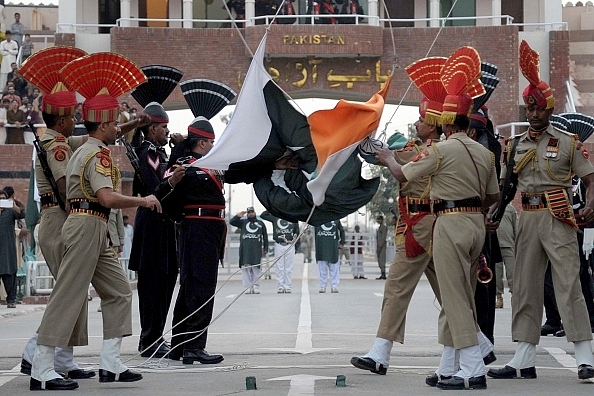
{"x":337,"y":132}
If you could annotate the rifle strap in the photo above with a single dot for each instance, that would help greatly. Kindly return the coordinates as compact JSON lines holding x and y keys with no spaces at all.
{"x":511,"y":161}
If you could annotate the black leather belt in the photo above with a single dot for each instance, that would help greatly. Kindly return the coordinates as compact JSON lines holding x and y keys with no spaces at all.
{"x":472,"y":205}
{"x":204,"y":212}
{"x":48,"y":200}
{"x":418,"y":207}
{"x":78,"y":205}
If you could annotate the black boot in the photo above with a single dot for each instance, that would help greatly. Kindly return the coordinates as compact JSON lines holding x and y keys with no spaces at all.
{"x":382,"y":276}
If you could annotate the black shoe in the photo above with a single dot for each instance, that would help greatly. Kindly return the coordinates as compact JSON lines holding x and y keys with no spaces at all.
{"x":79,"y":374}
{"x":25,"y":367}
{"x":158,"y":350}
{"x":547,"y":329}
{"x":366,"y":363}
{"x":55,"y":384}
{"x":381,"y":277}
{"x":362,"y":277}
{"x":560,"y":333}
{"x":490,"y":358}
{"x":585,"y":371}
{"x":200,"y":355}
{"x":126,"y":376}
{"x":459,"y":383}
{"x":509,"y":372}
{"x":432,"y":380}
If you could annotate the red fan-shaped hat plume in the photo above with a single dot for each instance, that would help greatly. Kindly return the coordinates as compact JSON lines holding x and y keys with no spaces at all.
{"x":460,"y":74}
{"x":101,"y":78}
{"x":425,"y":74}
{"x":42,"y":70}
{"x":538,"y":92}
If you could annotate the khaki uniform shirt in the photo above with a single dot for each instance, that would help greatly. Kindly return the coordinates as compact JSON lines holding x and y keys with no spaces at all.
{"x":418,"y":188}
{"x":59,"y":150}
{"x":91,"y":169}
{"x":550,"y":162}
{"x":449,"y":180}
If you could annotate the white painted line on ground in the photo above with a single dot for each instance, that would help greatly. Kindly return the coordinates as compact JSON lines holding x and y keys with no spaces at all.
{"x":301,"y":384}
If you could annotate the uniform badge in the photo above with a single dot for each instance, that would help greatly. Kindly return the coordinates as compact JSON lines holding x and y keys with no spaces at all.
{"x":422,"y":154}
{"x":59,"y":153}
{"x":60,"y":138}
{"x":552,"y":148}
{"x":153,"y":163}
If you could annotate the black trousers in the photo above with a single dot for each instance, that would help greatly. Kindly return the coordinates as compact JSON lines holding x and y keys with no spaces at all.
{"x":10,"y":285}
{"x":155,"y":291}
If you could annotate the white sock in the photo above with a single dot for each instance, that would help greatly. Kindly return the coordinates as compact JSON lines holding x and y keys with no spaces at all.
{"x":525,"y":356}
{"x":449,"y":363}
{"x":583,"y":352}
{"x":110,"y":356}
{"x":380,"y":351}
{"x":484,"y":344}
{"x":63,"y":361}
{"x":29,"y":350}
{"x":471,"y":362}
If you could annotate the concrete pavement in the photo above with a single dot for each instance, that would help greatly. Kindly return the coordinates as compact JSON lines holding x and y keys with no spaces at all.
{"x":296,"y":344}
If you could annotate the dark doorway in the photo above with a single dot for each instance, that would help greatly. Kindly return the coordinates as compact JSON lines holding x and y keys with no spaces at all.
{"x":109,"y":12}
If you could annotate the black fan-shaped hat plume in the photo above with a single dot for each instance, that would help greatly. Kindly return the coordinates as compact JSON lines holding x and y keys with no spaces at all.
{"x":581,"y":124}
{"x":560,"y":122}
{"x":161,"y":81}
{"x":490,"y":83}
{"x":489,"y":68}
{"x":206,"y":98}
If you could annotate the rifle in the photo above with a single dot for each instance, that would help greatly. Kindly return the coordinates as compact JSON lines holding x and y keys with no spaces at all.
{"x":510,"y":183}
{"x":47,"y":172}
{"x":133,"y":157}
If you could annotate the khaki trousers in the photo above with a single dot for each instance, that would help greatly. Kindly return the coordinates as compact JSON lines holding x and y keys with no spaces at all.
{"x":87,"y":259}
{"x":541,"y":237}
{"x":403,"y":277}
{"x":52,"y":247}
{"x":457,"y":242}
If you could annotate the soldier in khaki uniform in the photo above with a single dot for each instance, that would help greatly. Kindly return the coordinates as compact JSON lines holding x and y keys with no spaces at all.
{"x":57,"y":107}
{"x":463,"y":183}
{"x":92,"y":180}
{"x":413,"y":240}
{"x":545,"y":160}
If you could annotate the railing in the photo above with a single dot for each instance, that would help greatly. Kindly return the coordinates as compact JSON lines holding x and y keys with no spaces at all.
{"x":442,"y":21}
{"x":39,"y":280}
{"x":86,"y":26}
{"x":310,"y":19}
{"x":512,"y":126}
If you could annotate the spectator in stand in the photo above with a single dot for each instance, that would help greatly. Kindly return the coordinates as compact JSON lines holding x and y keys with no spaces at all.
{"x":27,"y":48}
{"x":350,"y":7}
{"x":133,"y":114}
{"x":35,"y":93}
{"x":13,"y":68}
{"x":3,"y":110}
{"x":34,"y":113}
{"x":15,"y":117}
{"x":124,"y":114}
{"x":20,"y":85}
{"x":9,"y":50}
{"x":12,"y":95}
{"x":17,"y":29}
{"x":78,"y":113}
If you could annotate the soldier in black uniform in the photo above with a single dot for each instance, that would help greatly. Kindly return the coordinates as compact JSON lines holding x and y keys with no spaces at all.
{"x":153,"y":252}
